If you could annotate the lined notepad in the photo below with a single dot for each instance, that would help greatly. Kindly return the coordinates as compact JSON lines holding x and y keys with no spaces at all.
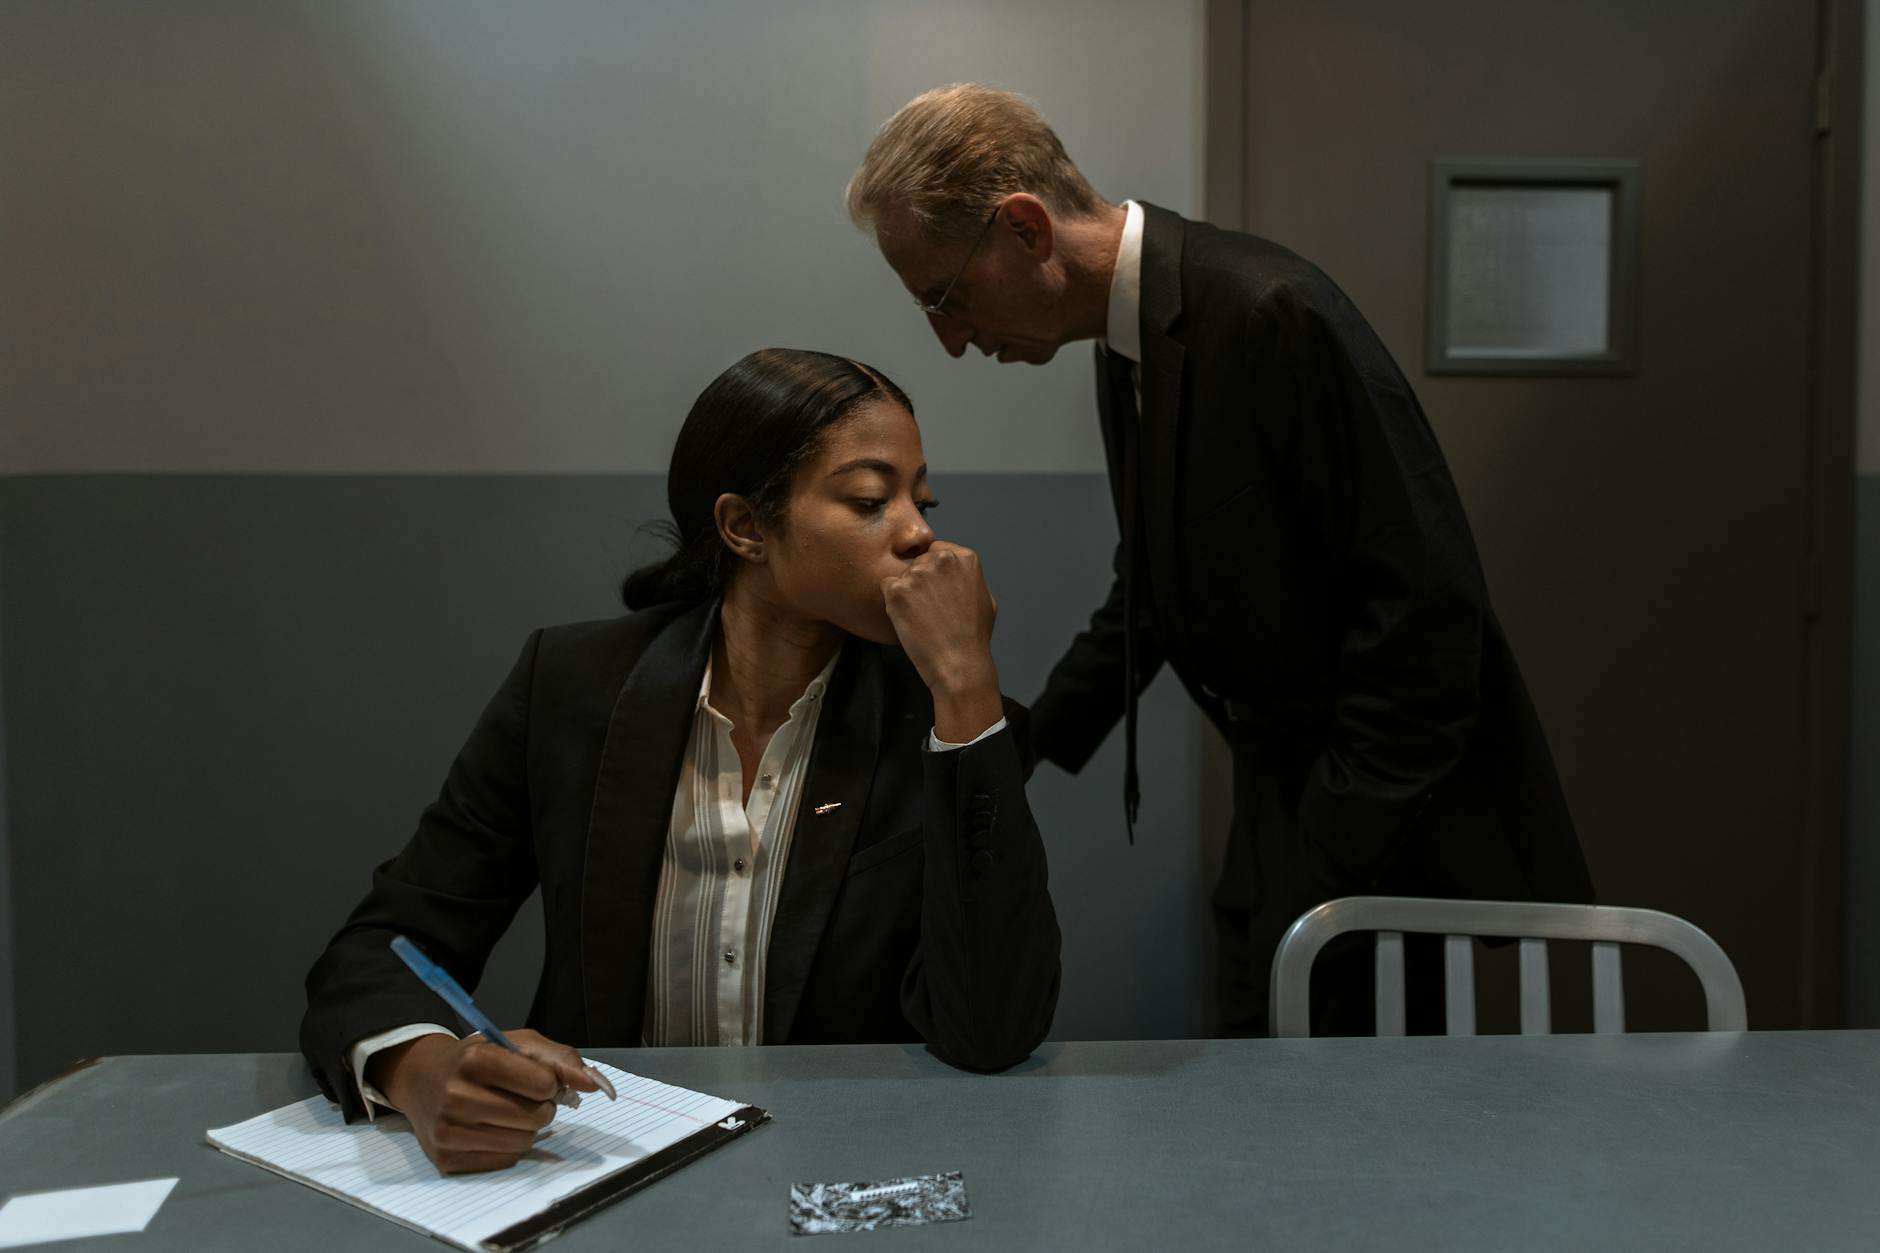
{"x":381,"y":1167}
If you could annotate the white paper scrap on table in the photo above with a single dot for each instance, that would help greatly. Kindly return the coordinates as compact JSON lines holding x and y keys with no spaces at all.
{"x":42,"y":1217}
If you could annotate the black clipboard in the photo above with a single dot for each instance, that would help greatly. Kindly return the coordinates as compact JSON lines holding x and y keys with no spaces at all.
{"x":625,"y":1181}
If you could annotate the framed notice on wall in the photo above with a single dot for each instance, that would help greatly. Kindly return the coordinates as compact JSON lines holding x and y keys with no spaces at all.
{"x":1533,"y":267}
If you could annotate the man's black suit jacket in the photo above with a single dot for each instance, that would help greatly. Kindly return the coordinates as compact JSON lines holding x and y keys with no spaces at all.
{"x":1309,"y":574}
{"x":913,"y":907}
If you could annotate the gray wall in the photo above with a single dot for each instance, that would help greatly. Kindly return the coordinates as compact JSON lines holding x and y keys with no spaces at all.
{"x":360,"y":236}
{"x":347,"y":342}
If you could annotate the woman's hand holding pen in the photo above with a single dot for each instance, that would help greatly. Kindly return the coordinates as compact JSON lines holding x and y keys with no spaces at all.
{"x":943,"y":612}
{"x":474,"y":1105}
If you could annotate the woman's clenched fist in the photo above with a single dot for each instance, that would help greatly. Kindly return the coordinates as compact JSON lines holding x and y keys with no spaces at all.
{"x":943,"y":612}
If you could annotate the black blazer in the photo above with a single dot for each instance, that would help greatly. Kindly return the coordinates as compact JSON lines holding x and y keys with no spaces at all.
{"x":916,"y":910}
{"x":1311,"y":578}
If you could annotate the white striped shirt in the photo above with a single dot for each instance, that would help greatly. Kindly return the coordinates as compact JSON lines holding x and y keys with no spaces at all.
{"x":721,"y":876}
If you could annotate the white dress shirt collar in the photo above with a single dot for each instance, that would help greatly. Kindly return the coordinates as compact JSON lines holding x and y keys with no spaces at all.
{"x":1124,"y":333}
{"x":817,"y":686}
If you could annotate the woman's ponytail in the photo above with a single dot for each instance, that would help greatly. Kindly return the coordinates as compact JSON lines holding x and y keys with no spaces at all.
{"x":687,"y":576}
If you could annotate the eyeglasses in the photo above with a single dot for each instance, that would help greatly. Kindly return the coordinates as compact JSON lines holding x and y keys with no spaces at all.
{"x":936,"y":309}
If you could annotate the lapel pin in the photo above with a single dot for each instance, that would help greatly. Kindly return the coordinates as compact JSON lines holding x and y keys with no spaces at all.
{"x":823,"y":809}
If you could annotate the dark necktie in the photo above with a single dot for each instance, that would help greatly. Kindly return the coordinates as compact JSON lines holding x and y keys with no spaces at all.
{"x":1129,"y":431}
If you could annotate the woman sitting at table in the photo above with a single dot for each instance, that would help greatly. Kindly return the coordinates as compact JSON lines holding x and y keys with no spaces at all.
{"x":781,"y":801}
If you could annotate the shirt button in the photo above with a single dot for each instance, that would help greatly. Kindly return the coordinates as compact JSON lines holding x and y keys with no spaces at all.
{"x":738,"y":865}
{"x":731,"y":957}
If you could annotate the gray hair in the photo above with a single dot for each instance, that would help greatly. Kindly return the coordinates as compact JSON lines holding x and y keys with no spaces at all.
{"x":951,"y":154}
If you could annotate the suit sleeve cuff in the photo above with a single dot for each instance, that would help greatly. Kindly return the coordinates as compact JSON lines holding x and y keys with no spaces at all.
{"x":362,"y":1052}
{"x":937,"y":745}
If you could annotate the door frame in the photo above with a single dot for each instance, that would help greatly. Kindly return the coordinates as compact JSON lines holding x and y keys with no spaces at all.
{"x":1828,"y":565}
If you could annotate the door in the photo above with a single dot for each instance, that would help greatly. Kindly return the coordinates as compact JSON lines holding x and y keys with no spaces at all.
{"x":1647,"y":537}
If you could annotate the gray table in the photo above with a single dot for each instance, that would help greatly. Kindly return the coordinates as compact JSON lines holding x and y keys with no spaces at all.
{"x":1749,"y":1141}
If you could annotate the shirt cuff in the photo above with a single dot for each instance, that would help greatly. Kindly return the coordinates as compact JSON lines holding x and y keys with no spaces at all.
{"x":937,"y":745}
{"x":362,"y":1052}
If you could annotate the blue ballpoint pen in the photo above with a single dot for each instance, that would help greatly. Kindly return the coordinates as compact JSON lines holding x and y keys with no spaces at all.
{"x":438,"y":979}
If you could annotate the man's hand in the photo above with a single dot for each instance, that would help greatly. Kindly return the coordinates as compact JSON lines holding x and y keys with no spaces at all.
{"x":943,"y":613}
{"x":475,"y":1105}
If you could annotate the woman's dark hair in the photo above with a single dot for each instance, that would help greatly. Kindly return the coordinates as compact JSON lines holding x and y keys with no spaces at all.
{"x":748,"y":433}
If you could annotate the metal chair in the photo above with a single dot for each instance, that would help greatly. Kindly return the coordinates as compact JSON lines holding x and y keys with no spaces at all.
{"x":1460,"y":922}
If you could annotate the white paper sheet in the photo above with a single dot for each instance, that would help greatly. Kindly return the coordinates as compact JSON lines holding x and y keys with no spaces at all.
{"x":41,"y":1217}
{"x":381,"y":1167}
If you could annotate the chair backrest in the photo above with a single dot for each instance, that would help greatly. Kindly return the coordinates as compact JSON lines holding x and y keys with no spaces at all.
{"x":1533,"y":924}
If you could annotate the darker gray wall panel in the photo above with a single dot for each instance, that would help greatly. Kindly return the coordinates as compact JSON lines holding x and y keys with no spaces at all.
{"x":7,"y":1085}
{"x":229,"y":697}
{"x":1863,"y":845}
